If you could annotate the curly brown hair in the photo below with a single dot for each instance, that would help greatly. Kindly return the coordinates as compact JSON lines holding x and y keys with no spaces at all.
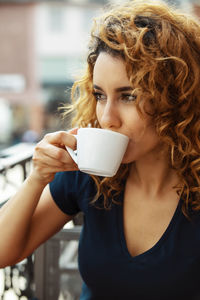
{"x":161,"y":49}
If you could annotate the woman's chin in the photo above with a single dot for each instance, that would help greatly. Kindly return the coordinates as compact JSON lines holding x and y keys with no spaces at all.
{"x":126,"y":160}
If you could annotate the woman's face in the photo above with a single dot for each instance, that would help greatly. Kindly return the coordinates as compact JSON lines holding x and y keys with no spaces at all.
{"x":116,"y":109}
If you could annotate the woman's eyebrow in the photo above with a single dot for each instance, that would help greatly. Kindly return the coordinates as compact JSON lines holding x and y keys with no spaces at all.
{"x":96,"y":87}
{"x":124,"y":88}
{"x":119,"y":89}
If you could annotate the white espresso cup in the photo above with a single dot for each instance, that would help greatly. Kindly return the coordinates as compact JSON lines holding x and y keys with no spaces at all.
{"x":99,"y":151}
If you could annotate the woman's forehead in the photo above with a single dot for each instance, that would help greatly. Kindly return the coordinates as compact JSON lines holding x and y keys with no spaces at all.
{"x":110,"y":68}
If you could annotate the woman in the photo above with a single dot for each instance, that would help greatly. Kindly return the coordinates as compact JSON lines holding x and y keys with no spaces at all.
{"x":141,"y":234}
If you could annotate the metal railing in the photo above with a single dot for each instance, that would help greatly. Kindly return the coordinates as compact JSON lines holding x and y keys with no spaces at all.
{"x":56,"y":268}
{"x":51,"y":272}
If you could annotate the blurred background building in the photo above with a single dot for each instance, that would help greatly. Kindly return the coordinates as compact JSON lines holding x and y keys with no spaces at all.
{"x":43,"y":49}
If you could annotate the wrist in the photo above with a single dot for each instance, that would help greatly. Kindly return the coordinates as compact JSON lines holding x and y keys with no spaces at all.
{"x":36,"y":181}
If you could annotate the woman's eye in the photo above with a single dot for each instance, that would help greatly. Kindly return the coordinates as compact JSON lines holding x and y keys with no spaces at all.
{"x":99,"y":96}
{"x":128,"y":97}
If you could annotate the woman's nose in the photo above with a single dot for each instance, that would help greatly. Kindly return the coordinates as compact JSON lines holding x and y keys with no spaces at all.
{"x":109,"y":117}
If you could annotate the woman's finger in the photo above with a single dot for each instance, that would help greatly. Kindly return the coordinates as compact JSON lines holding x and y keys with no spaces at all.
{"x":73,"y":130}
{"x":61,"y":138}
{"x":52,"y":151}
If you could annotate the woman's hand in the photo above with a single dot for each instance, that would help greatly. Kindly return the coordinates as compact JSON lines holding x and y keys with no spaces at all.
{"x":50,"y":156}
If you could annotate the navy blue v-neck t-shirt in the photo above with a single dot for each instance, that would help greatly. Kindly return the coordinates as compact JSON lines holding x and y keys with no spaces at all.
{"x":170,"y":270}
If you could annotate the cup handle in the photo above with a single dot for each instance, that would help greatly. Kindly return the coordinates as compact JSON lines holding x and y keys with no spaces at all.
{"x":72,"y":153}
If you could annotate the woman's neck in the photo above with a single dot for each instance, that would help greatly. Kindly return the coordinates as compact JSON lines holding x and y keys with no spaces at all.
{"x":153,"y":175}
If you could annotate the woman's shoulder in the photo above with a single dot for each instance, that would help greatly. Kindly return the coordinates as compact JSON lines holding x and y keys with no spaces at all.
{"x":75,"y":180}
{"x":74,"y":188}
